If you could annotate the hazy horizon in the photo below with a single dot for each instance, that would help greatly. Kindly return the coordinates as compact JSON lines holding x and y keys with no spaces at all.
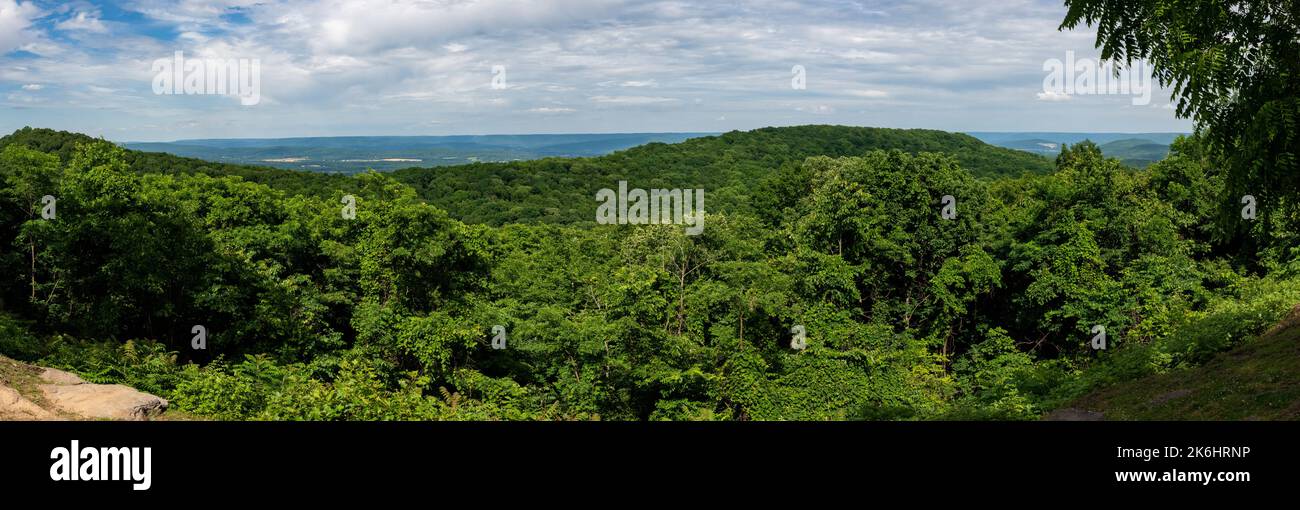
{"x":563,"y":133}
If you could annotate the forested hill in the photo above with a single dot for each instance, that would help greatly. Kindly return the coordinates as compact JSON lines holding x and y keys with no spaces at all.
{"x":729,"y":167}
{"x":62,"y":143}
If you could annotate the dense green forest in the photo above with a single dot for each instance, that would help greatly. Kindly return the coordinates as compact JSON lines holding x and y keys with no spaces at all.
{"x":558,"y":190}
{"x":389,"y":315}
{"x":929,"y":276}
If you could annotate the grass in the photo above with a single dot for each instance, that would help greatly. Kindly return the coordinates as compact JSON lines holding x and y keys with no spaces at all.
{"x":23,"y":378}
{"x":1259,"y":380}
{"x":176,"y":415}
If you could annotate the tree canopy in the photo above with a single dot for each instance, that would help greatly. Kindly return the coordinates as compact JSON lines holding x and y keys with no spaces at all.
{"x":906,"y":312}
{"x":1234,"y":68}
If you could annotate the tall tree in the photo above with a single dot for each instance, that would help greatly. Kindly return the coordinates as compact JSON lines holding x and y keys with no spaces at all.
{"x":27,"y":176}
{"x":1234,"y":66}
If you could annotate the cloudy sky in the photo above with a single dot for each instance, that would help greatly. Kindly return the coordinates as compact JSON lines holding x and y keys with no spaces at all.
{"x":410,"y":67}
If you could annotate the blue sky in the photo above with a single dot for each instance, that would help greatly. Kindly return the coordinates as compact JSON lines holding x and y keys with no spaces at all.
{"x":425,"y":67}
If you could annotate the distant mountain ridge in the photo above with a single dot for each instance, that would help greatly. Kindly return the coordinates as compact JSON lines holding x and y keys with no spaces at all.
{"x":352,"y":154}
{"x":1133,"y":149}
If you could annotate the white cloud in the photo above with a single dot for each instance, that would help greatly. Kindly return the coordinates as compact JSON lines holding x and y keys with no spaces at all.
{"x":20,"y":99}
{"x":15,"y":20}
{"x":369,"y":25}
{"x":33,"y":87}
{"x":820,"y":109}
{"x":83,"y":22}
{"x":388,"y":65}
{"x":190,"y":14}
{"x":1053,"y":96}
{"x":43,"y":48}
{"x":868,"y":93}
{"x":631,"y":99}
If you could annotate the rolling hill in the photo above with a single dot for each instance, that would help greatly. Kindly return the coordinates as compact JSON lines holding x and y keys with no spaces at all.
{"x":1133,"y":149}
{"x":558,"y":190}
{"x":729,"y":167}
{"x":1135,"y":152}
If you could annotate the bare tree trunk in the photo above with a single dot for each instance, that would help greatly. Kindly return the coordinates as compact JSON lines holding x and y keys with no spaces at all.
{"x":681,"y":299}
{"x":742,"y":325}
{"x":32,"y":244}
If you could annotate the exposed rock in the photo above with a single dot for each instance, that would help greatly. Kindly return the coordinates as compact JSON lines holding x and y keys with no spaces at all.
{"x":56,"y":376}
{"x":71,"y":394}
{"x":13,"y":406}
